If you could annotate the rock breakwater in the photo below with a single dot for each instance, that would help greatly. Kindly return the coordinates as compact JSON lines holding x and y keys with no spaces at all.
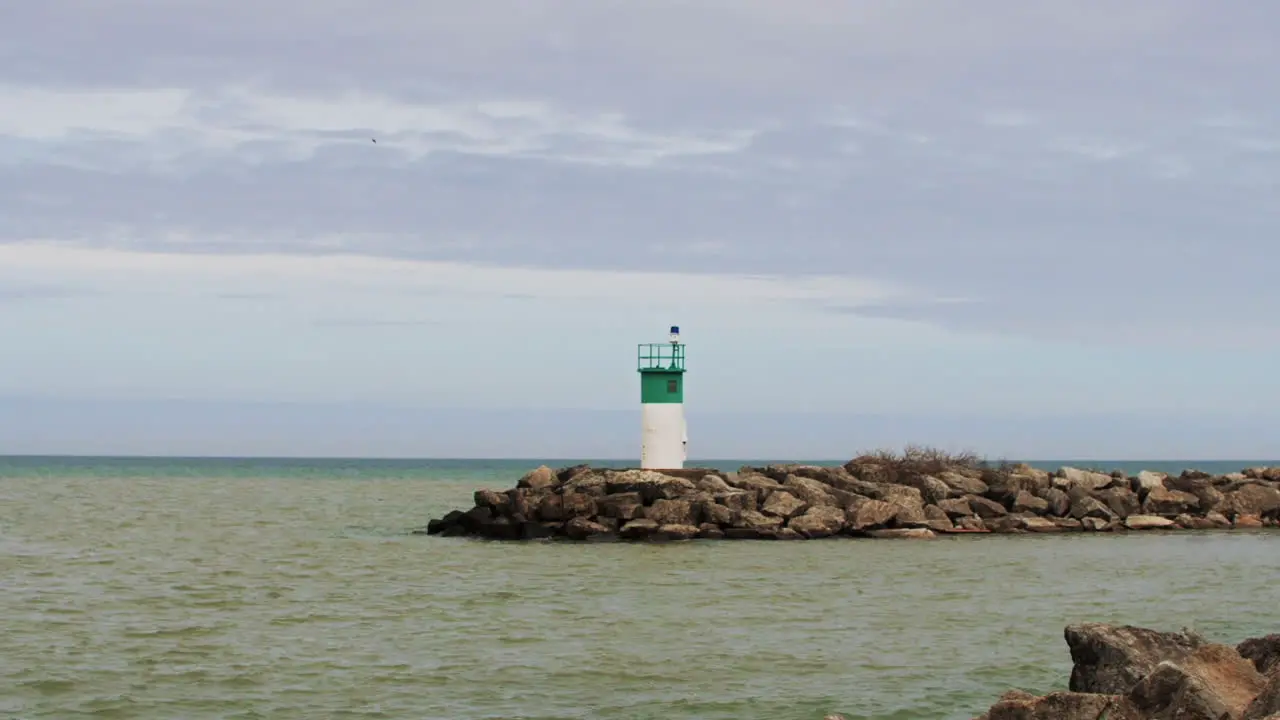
{"x":918,"y":494}
{"x":1122,"y":672}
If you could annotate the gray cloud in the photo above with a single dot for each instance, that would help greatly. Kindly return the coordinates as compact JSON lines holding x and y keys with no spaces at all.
{"x":1105,"y":172}
{"x":24,"y":292}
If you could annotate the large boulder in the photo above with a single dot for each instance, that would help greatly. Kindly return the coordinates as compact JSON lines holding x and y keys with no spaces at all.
{"x":1019,"y":705}
{"x":1171,"y":503}
{"x":1111,"y":659}
{"x":539,"y":478}
{"x":1263,"y":652}
{"x":650,"y":485}
{"x":759,"y":485}
{"x":813,"y":492}
{"x":1210,"y":683}
{"x":1148,"y":522}
{"x":872,"y":514}
{"x":819,"y":521}
{"x":783,"y":504}
{"x":672,"y":512}
{"x":1025,"y":502}
{"x":962,"y":484}
{"x":1266,"y":706}
{"x":1256,"y":500}
{"x":1069,"y":478}
{"x":1121,"y":500}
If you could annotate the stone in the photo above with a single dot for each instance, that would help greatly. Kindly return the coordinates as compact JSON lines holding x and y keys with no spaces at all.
{"x":1162,"y":501}
{"x":938,"y":519}
{"x":986,"y":509}
{"x":1026,"y":502}
{"x":1069,"y":477}
{"x":579,"y":504}
{"x":499,"y":503}
{"x":1191,"y":522}
{"x":1146,"y":481}
{"x":1018,"y":705}
{"x":714,"y":513}
{"x":1266,"y":704}
{"x":713,"y":484}
{"x":607,"y":504}
{"x":872,"y":514}
{"x":1148,"y":522}
{"x":962,"y":484}
{"x":675,"y":532}
{"x":500,"y":528}
{"x":903,"y":496}
{"x":903,"y":533}
{"x":671,"y":512}
{"x":1259,"y":500}
{"x":819,"y":521}
{"x":1211,"y":683}
{"x":1247,"y":521}
{"x":580,"y":528}
{"x":737,"y":500}
{"x":1006,"y":487}
{"x":1070,"y":524}
{"x":1218,"y":519}
{"x":783,"y":504}
{"x":439,"y":525}
{"x":1084,"y":507}
{"x":755,"y":521}
{"x":588,"y":483}
{"x":650,"y":485}
{"x":759,"y":485}
{"x":539,"y":478}
{"x":972,"y":523}
{"x":1111,"y":659}
{"x":955,"y":507}
{"x":551,"y":508}
{"x":1263,"y":473}
{"x":811,"y":491}
{"x":564,"y":475}
{"x":639,"y":529}
{"x":931,"y":488}
{"x":1039,"y":524}
{"x":1122,"y":501}
{"x":1004,"y":524}
{"x":531,"y":530}
{"x":744,"y":533}
{"x":1263,"y":652}
{"x":710,"y":531}
{"x":1059,"y":501}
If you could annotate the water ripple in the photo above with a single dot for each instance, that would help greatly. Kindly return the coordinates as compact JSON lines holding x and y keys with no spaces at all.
{"x":288,"y":598}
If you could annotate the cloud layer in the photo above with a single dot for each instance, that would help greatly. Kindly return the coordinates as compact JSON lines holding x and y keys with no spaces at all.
{"x":1063,"y":204}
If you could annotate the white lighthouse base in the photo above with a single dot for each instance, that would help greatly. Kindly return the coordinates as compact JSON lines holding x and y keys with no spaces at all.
{"x":663,"y":442}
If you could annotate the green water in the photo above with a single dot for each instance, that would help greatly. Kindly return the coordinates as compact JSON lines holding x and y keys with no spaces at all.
{"x":290,"y":589}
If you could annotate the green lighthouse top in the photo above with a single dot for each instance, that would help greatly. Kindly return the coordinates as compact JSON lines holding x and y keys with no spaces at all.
{"x":662,"y":357}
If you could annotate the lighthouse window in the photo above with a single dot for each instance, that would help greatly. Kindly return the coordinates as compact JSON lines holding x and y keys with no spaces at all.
{"x":672,"y":386}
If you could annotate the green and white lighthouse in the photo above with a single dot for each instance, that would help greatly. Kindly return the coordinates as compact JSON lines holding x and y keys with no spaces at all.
{"x":664,"y":437}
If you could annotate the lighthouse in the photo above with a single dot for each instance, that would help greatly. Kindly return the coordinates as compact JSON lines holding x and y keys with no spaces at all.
{"x":664,"y":437}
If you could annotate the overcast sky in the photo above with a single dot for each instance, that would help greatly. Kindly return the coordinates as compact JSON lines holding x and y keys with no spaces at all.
{"x":976,"y":218}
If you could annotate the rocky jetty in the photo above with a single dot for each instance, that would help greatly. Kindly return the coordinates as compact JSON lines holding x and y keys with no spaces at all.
{"x":1133,"y":673}
{"x":916,"y":494}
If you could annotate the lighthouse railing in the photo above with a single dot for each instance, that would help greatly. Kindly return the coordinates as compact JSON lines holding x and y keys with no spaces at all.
{"x":660,"y":356}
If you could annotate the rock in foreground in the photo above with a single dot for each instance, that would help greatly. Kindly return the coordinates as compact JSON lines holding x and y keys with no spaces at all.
{"x":1132,"y":673}
{"x":919,"y":495}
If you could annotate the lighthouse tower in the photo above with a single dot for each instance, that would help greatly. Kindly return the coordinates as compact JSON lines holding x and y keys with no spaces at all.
{"x":664,"y":438}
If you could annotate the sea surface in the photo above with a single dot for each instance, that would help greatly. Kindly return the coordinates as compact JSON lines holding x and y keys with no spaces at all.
{"x":212,"y":588}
